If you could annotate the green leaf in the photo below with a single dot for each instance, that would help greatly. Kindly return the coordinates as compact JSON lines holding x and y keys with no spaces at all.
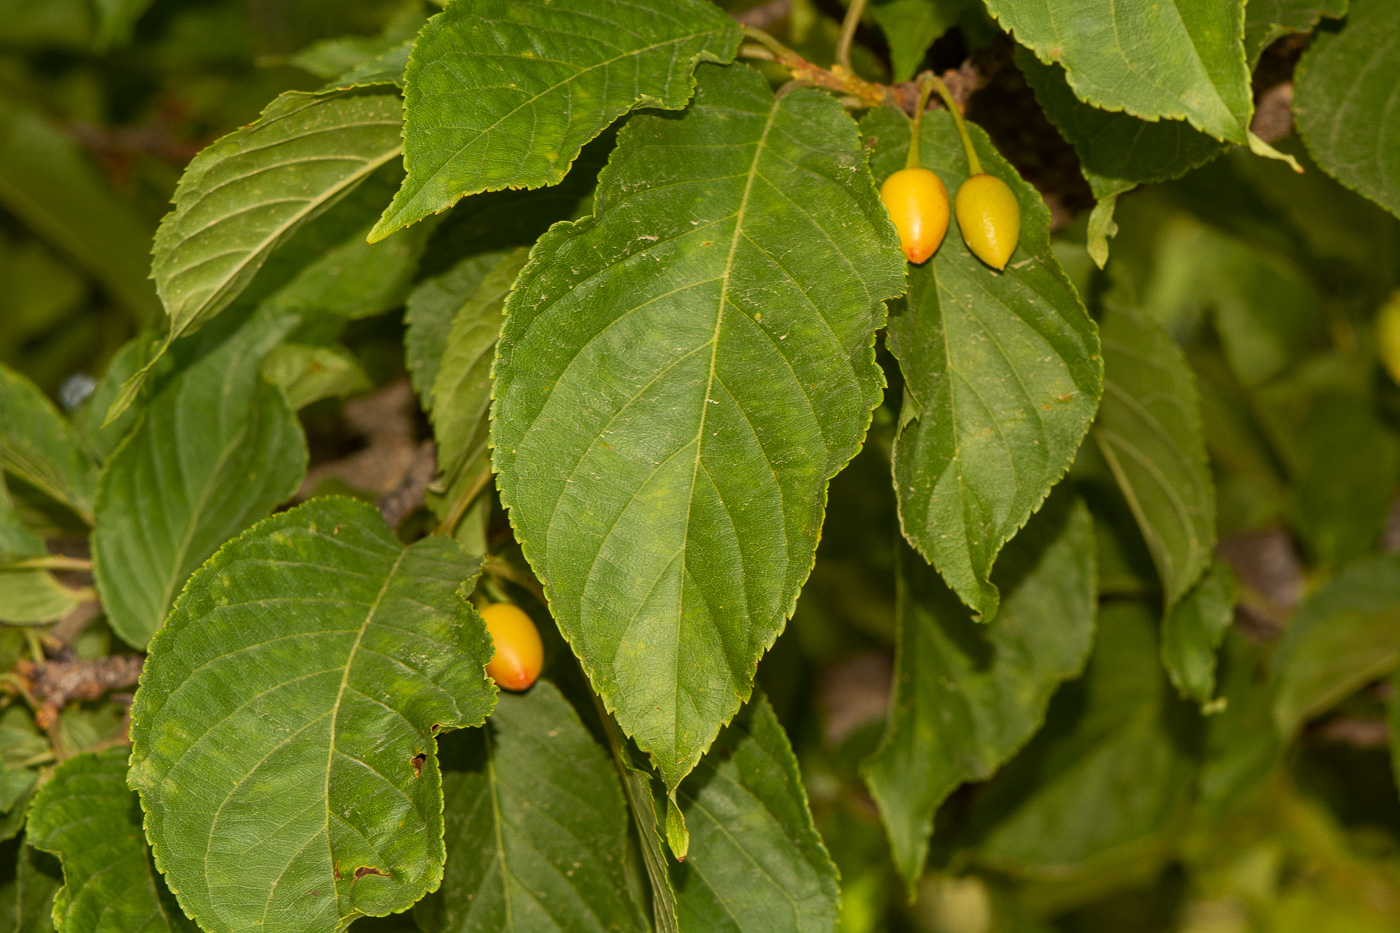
{"x":30,"y":597}
{"x":88,"y":817}
{"x":428,"y":316}
{"x":462,"y":390}
{"x":1149,"y":430}
{"x":249,"y":192}
{"x":1112,"y":771}
{"x":1344,"y":636}
{"x":38,"y":880}
{"x":16,"y":540}
{"x":16,"y":787}
{"x":1193,"y":630}
{"x":47,"y":183}
{"x":1117,"y":151}
{"x":1242,"y":748}
{"x":968,"y":695}
{"x":1344,"y":101}
{"x":678,"y":379}
{"x":308,"y":374}
{"x":218,"y":449}
{"x":505,"y":94}
{"x":116,"y":19}
{"x":1268,"y":20}
{"x":1182,"y":61}
{"x":756,"y":862}
{"x":38,"y":445}
{"x":284,"y":731}
{"x":1347,"y":478}
{"x":99,"y":439}
{"x":537,"y":830}
{"x":1001,"y":374}
{"x":911,"y":27}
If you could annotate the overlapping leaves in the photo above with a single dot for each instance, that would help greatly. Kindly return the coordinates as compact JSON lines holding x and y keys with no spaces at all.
{"x":677,"y":380}
{"x":284,"y":735}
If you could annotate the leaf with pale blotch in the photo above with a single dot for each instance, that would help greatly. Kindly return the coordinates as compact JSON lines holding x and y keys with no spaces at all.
{"x":284,"y":734}
{"x":505,"y":94}
{"x":1001,"y":373}
{"x":968,"y":695}
{"x":677,"y":380}
{"x":537,"y":829}
{"x":1149,"y":430}
{"x":90,"y":819}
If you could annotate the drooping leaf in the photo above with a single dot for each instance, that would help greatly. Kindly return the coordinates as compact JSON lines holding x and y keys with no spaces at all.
{"x":1181,"y":61}
{"x":218,"y":449}
{"x":1344,"y":636}
{"x":505,"y":94}
{"x":249,"y":192}
{"x":284,"y":731}
{"x":911,"y":27}
{"x":428,"y":316}
{"x":38,"y":445}
{"x":677,"y":380}
{"x":90,"y":819}
{"x":1149,"y":430}
{"x":1112,"y":770}
{"x":308,"y":374}
{"x":1344,"y":102}
{"x":968,"y":695}
{"x":536,"y":826}
{"x":756,"y":863}
{"x":1268,"y":20}
{"x":1193,"y":630}
{"x":1001,"y":374}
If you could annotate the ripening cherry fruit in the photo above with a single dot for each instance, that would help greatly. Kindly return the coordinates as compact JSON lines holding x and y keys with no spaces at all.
{"x":918,"y":205}
{"x":519,"y":652}
{"x":990,"y":219}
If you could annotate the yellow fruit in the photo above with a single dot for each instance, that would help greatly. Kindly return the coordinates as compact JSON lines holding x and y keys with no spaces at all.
{"x":918,"y":205}
{"x":990,"y":219}
{"x":519,"y":652}
{"x":1388,"y":335}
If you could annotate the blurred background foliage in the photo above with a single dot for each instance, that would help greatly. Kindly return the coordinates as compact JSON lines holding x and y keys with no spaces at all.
{"x":1269,"y":280}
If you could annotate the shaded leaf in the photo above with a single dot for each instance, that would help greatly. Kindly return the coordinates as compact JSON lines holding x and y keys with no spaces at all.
{"x":38,"y":445}
{"x":1344,"y":101}
{"x":1344,"y":636}
{"x":1268,"y":20}
{"x":1193,"y":630}
{"x":677,"y":380}
{"x":308,"y":374}
{"x":1112,"y":771}
{"x":911,"y":27}
{"x":429,"y":314}
{"x":968,"y":695}
{"x":536,"y":826}
{"x":38,"y":879}
{"x":284,"y":731}
{"x":1149,"y":430}
{"x":214,"y":428}
{"x":1184,"y":61}
{"x":90,"y":819}
{"x":505,"y":94}
{"x":756,"y":862}
{"x":1001,"y":374}
{"x":116,"y":19}
{"x":1242,"y":747}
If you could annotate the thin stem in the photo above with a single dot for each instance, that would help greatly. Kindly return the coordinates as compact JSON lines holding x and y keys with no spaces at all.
{"x":973,"y":163}
{"x":848,"y":33}
{"x":50,"y":562}
{"x":766,"y":40}
{"x":925,"y":89}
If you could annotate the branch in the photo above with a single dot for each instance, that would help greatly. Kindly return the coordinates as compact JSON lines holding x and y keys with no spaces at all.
{"x":54,"y":684}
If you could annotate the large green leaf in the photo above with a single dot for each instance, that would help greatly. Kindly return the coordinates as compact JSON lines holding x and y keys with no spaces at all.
{"x":1267,"y":20}
{"x":1346,"y":635}
{"x":249,"y":192}
{"x":219,"y":447}
{"x":38,"y":445}
{"x":911,"y":27}
{"x":1194,"y":629}
{"x":504,"y":94}
{"x":967,"y":695}
{"x":90,"y":819}
{"x":1113,"y":769}
{"x":1149,"y":430}
{"x":284,"y":731}
{"x":537,"y":829}
{"x":1182,"y":60}
{"x":1001,"y":374}
{"x":678,"y":379}
{"x":756,"y":863}
{"x":1346,"y":85}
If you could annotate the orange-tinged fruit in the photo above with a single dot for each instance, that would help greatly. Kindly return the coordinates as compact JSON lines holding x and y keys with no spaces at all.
{"x":990,"y":219}
{"x":918,"y":205}
{"x":519,"y":651}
